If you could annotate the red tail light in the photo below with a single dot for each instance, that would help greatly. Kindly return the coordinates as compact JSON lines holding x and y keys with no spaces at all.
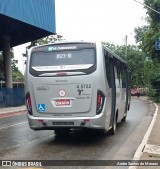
{"x":28,"y":103}
{"x":100,"y":102}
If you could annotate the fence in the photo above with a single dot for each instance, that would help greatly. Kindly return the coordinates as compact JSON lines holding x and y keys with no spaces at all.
{"x":12,"y":97}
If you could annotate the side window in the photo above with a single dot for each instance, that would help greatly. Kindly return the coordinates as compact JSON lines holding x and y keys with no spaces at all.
{"x":118,"y":74}
{"x":121,"y":78}
{"x":108,"y":65}
{"x":124,"y":77}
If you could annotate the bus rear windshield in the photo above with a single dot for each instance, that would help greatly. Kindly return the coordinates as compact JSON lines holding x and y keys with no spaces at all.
{"x":63,"y":60}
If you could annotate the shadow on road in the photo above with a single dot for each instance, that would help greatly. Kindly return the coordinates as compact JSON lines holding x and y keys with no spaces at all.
{"x":85,"y":137}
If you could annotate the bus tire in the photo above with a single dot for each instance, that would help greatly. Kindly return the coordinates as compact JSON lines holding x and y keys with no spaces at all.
{"x":128,"y":106}
{"x":124,"y":118}
{"x":112,"y":131}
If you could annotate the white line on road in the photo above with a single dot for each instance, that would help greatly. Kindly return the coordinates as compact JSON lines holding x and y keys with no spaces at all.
{"x":12,"y":125}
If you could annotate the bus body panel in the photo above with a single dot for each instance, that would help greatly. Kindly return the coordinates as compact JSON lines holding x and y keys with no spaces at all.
{"x":51,"y":93}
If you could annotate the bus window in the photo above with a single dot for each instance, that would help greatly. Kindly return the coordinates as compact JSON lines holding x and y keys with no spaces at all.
{"x":62,"y":60}
{"x":118,"y":77}
{"x":108,"y":69}
{"x":124,"y":77}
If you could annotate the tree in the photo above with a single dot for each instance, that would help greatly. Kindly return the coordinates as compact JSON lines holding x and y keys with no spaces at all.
{"x":146,"y":36}
{"x":139,"y":34}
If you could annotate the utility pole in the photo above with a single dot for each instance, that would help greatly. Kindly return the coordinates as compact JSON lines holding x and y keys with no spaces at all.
{"x":126,"y":38}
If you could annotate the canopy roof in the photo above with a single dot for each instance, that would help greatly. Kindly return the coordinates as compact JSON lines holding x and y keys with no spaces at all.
{"x":26,"y":20}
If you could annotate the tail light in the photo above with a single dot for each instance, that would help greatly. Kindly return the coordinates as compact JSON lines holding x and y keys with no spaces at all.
{"x":100,"y":102}
{"x":28,"y":104}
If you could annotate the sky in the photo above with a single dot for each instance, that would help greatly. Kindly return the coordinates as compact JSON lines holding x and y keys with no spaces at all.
{"x":94,"y":20}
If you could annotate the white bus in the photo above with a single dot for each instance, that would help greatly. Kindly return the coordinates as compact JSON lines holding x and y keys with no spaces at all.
{"x":70,"y":85}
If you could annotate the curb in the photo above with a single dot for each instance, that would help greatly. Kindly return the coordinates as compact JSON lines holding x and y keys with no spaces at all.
{"x":13,"y":111}
{"x":139,"y":150}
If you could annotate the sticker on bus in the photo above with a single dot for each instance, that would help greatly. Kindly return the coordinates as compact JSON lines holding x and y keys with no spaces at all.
{"x":41,"y":108}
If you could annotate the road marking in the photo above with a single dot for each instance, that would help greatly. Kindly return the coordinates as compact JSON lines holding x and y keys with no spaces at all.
{"x":1,"y":128}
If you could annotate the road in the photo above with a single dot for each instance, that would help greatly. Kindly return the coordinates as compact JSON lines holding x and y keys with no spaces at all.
{"x":19,"y":142}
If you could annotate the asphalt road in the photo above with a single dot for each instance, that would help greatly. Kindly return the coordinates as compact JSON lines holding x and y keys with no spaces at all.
{"x":19,"y":142}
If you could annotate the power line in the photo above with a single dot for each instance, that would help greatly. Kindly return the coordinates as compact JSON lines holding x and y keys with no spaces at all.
{"x":147,"y":7}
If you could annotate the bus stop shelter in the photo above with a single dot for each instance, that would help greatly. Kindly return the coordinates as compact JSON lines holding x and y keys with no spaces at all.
{"x":22,"y":21}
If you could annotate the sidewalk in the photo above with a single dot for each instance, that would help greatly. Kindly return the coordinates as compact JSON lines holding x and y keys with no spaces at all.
{"x":151,"y":150}
{"x":12,"y":109}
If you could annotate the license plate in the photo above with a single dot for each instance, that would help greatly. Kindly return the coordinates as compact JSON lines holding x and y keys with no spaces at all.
{"x":63,"y":123}
{"x":62,"y":102}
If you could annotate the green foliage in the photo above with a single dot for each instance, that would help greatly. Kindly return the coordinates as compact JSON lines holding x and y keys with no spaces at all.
{"x":148,"y":44}
{"x":156,"y":75}
{"x":155,"y":17}
{"x":139,"y":34}
{"x":17,"y":76}
{"x":154,"y":85}
{"x":154,"y":94}
{"x":146,"y":37}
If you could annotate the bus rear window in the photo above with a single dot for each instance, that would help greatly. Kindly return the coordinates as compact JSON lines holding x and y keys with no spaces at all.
{"x":62,"y":60}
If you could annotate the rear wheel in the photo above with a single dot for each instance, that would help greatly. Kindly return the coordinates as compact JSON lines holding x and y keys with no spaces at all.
{"x":112,"y":131}
{"x":124,"y":118}
{"x":128,"y":106}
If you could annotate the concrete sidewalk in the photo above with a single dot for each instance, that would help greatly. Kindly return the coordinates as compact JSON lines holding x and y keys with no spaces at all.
{"x":151,"y":150}
{"x":12,"y":109}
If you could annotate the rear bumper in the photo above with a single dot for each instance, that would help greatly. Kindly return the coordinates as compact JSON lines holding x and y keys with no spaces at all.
{"x":44,"y":123}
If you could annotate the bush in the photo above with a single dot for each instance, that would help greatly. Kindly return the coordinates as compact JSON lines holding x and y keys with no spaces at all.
{"x":154,"y":94}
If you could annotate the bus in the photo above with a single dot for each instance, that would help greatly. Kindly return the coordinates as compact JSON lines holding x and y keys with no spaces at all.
{"x":72,"y":85}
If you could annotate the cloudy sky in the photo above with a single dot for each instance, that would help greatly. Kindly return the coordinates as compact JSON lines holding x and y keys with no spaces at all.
{"x":104,"y":20}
